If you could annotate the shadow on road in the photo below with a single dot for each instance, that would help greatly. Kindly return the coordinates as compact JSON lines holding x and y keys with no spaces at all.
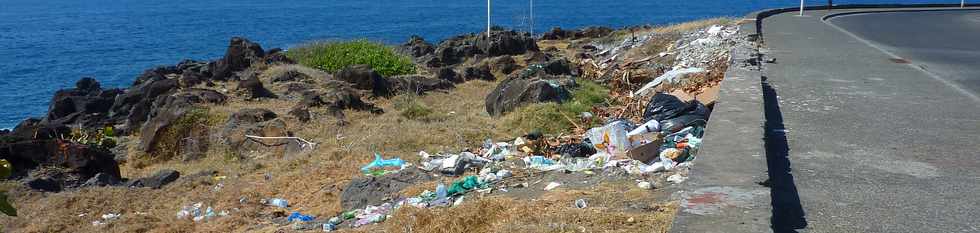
{"x":787,"y":212}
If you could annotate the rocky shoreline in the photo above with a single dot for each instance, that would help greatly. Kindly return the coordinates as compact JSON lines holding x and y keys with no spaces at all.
{"x":161,"y":96}
{"x":255,"y":128}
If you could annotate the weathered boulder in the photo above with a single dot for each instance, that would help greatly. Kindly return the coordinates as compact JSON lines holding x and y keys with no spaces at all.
{"x":335,"y":96}
{"x":101,"y":179}
{"x":163,"y":136}
{"x":365,"y":78}
{"x":519,"y":90}
{"x":291,"y":75}
{"x":448,"y":74}
{"x":260,"y":123}
{"x":416,"y":47}
{"x":277,"y":56}
{"x":506,"y":43}
{"x":593,"y":32}
{"x":559,"y":67}
{"x":157,"y":180}
{"x":478,"y":72}
{"x":72,"y":163}
{"x":503,"y":64}
{"x":371,"y":190}
{"x":556,"y":33}
{"x":252,"y":88}
{"x":418,"y":84}
{"x":46,"y":184}
{"x":537,"y":58}
{"x":301,"y":113}
{"x":241,"y":54}
{"x":86,"y":105}
{"x":134,"y":106}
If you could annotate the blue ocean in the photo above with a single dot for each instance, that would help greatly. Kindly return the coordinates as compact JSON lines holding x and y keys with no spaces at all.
{"x":46,"y":45}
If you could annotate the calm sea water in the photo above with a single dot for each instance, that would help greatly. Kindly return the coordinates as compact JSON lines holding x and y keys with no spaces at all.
{"x":46,"y":45}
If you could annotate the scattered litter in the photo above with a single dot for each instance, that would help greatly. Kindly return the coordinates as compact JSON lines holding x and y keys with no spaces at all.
{"x":644,"y":185}
{"x":676,"y":178}
{"x":381,"y":166}
{"x":298,"y":216}
{"x":670,"y":77}
{"x":551,"y":186}
{"x":106,"y":218}
{"x":581,"y":203}
{"x":278,"y":202}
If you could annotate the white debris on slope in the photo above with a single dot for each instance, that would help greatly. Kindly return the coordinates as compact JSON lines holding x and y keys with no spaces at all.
{"x":701,"y":48}
{"x":669,"y":77}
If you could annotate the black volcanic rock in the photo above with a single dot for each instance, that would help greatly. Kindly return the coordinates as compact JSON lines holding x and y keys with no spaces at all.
{"x":241,"y":54}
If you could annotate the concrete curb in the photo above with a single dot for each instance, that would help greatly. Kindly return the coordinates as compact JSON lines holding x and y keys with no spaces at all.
{"x":724,"y":193}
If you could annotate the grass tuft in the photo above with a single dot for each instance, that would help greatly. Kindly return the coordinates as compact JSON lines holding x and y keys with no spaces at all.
{"x":335,"y":55}
{"x":553,"y":118}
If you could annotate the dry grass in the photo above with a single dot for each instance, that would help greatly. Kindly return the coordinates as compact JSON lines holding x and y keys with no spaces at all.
{"x":313,"y":182}
{"x":279,"y":70}
{"x":554,"y":211}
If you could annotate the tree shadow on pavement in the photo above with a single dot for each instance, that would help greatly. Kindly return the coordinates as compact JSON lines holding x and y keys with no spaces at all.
{"x":787,"y":212}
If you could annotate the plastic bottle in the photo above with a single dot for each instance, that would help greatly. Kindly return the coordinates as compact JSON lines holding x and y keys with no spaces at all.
{"x":328,"y":227}
{"x":441,"y":192}
{"x":349,"y":214}
{"x":281,"y":203}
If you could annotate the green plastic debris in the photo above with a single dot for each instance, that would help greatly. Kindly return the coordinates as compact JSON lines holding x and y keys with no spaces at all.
{"x":349,"y":214}
{"x":463,"y":185}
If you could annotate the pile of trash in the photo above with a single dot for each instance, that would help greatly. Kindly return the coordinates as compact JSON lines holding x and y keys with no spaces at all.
{"x":668,"y":138}
{"x":444,"y":196}
{"x":698,"y":48}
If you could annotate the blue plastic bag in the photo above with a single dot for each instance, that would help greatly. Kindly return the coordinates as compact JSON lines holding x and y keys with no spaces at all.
{"x":380,"y":164}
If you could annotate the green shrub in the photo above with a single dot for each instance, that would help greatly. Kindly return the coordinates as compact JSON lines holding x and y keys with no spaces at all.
{"x":335,"y":55}
{"x":553,"y":118}
{"x":414,"y":109}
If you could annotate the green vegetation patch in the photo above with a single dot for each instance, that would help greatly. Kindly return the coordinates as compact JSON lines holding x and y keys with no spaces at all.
{"x":553,"y":118}
{"x":413,"y":108}
{"x":332,"y":56}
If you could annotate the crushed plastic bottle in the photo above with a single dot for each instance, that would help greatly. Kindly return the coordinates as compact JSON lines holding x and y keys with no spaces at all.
{"x":328,"y":227}
{"x":379,"y":165}
{"x":349,"y":214}
{"x":278,"y":202}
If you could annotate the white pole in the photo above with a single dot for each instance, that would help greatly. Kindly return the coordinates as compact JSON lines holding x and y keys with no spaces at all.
{"x":532,"y":18}
{"x":962,"y":3}
{"x":801,"y":7}
{"x":488,"y":18}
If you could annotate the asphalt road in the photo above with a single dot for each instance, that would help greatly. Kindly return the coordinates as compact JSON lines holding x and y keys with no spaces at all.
{"x":874,"y":145}
{"x":944,"y":43}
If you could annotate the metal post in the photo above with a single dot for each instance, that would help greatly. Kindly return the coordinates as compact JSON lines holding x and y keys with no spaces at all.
{"x":801,"y":7}
{"x":532,"y":19}
{"x":962,"y":3}
{"x":488,"y":18}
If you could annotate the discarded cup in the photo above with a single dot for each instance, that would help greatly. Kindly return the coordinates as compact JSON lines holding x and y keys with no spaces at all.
{"x":581,"y":203}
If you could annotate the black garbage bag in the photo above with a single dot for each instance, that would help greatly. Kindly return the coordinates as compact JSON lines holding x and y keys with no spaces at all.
{"x":663,"y":107}
{"x":576,"y":150}
{"x":674,"y":114}
{"x":678,"y":123}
